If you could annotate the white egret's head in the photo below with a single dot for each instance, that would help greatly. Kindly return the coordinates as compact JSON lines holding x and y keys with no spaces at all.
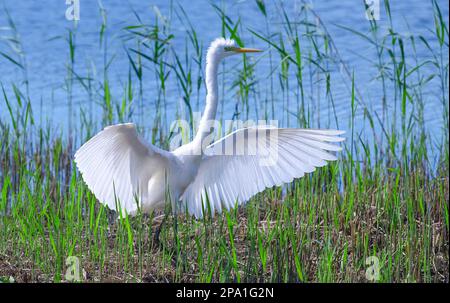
{"x":221,"y":48}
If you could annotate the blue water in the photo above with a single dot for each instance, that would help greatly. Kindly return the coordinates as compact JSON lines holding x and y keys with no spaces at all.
{"x":43,"y":33}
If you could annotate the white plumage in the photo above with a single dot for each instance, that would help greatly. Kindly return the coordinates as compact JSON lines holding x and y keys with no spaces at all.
{"x":125,"y":173}
{"x":260,"y":161}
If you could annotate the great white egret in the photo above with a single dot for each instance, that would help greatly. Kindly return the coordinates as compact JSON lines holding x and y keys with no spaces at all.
{"x":126,"y":174}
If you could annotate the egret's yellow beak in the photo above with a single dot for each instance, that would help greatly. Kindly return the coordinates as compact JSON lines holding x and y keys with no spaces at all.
{"x":246,"y":50}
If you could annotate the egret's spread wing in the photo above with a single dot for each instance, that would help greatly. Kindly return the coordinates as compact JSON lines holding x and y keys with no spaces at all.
{"x":247,"y":161}
{"x":116,"y":165}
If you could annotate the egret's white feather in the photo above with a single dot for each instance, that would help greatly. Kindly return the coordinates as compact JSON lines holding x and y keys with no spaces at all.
{"x":117,"y":166}
{"x":121,"y":169}
{"x":228,"y":179}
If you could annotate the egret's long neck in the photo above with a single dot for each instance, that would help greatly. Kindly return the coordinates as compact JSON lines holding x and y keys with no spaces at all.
{"x":206,"y":123}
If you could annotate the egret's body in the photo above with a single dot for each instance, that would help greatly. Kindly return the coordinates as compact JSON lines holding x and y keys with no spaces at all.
{"x":125,"y":173}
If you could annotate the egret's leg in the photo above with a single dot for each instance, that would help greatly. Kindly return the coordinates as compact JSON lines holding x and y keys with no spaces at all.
{"x":160,"y":220}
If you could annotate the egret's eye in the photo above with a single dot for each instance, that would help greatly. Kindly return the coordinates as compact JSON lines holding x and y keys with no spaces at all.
{"x":229,"y":48}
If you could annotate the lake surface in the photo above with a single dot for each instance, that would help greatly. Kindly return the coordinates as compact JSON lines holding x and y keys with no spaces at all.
{"x":43,"y":32}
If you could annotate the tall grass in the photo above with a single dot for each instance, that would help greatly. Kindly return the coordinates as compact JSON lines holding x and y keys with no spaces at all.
{"x":386,"y":197}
